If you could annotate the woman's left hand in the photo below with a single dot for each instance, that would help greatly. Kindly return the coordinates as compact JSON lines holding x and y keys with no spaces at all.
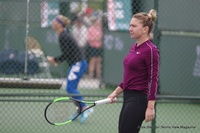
{"x":51,"y":60}
{"x":150,"y":114}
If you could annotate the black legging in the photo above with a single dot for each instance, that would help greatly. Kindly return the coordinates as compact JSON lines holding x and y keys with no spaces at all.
{"x":133,"y":111}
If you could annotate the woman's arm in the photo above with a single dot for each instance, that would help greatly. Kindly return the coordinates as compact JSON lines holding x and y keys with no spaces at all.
{"x":152,"y":63}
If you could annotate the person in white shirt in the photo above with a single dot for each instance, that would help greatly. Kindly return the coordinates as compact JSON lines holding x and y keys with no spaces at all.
{"x":79,"y":32}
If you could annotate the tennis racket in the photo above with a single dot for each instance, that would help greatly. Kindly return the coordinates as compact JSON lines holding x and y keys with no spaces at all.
{"x":64,"y":110}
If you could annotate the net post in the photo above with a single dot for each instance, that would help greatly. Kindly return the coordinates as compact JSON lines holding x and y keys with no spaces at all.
{"x":156,"y":41}
{"x":26,"y":43}
{"x":156,"y":34}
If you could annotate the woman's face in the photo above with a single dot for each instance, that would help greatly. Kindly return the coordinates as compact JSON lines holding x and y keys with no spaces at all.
{"x":55,"y":25}
{"x":136,"y":28}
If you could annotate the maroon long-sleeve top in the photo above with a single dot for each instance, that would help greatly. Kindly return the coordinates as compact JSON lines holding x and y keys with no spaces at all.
{"x":141,"y":69}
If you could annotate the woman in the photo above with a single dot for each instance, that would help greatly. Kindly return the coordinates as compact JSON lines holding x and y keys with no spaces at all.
{"x":35,"y":48}
{"x":74,"y":57}
{"x":79,"y":31}
{"x":94,"y":38}
{"x":140,"y":81}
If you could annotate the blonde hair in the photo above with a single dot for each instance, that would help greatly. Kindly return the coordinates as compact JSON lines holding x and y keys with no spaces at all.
{"x":147,"y":19}
{"x":33,"y":43}
{"x":65,"y":20}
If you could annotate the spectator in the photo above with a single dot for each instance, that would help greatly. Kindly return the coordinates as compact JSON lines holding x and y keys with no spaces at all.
{"x":95,"y":35}
{"x":88,"y":14}
{"x":151,"y":36}
{"x":35,"y":48}
{"x":79,"y":31}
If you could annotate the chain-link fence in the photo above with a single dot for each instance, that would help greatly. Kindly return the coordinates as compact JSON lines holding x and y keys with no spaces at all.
{"x":99,"y":30}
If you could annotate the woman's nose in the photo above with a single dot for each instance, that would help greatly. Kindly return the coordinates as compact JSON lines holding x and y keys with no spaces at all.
{"x":130,"y":29}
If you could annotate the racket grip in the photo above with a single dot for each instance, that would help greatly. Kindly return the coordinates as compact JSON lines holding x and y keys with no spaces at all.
{"x":104,"y":101}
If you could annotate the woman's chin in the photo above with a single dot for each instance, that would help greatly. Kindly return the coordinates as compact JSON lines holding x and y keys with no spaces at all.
{"x":132,"y":36}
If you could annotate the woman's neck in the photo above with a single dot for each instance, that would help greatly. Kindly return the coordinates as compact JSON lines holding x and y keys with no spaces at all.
{"x":141,"y":40}
{"x":59,"y":31}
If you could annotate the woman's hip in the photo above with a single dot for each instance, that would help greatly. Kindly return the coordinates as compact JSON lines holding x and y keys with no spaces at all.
{"x":134,"y":96}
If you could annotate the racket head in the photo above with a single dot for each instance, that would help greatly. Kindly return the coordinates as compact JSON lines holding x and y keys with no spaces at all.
{"x":62,"y":111}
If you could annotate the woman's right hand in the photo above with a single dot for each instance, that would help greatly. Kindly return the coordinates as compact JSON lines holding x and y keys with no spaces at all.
{"x":115,"y":94}
{"x":112,"y":96}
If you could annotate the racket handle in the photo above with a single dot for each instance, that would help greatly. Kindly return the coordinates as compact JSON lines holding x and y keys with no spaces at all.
{"x":104,"y":101}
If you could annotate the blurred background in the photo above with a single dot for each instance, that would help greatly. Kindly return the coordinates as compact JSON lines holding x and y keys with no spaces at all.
{"x":28,"y":82}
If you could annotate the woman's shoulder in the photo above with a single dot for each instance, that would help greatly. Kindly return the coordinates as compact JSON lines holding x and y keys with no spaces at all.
{"x":151,"y":46}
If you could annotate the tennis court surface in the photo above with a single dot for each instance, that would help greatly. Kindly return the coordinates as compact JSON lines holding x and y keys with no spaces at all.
{"x":24,"y":112}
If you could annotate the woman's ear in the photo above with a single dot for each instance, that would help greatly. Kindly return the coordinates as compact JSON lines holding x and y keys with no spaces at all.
{"x":145,"y":29}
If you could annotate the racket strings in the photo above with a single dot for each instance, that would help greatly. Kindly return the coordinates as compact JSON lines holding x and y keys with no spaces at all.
{"x":60,"y":112}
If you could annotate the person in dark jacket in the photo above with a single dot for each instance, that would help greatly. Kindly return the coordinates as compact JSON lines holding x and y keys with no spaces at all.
{"x":72,"y":54}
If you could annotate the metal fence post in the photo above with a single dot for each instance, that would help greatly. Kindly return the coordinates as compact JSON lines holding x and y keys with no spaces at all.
{"x":156,"y":41}
{"x":156,"y":31}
